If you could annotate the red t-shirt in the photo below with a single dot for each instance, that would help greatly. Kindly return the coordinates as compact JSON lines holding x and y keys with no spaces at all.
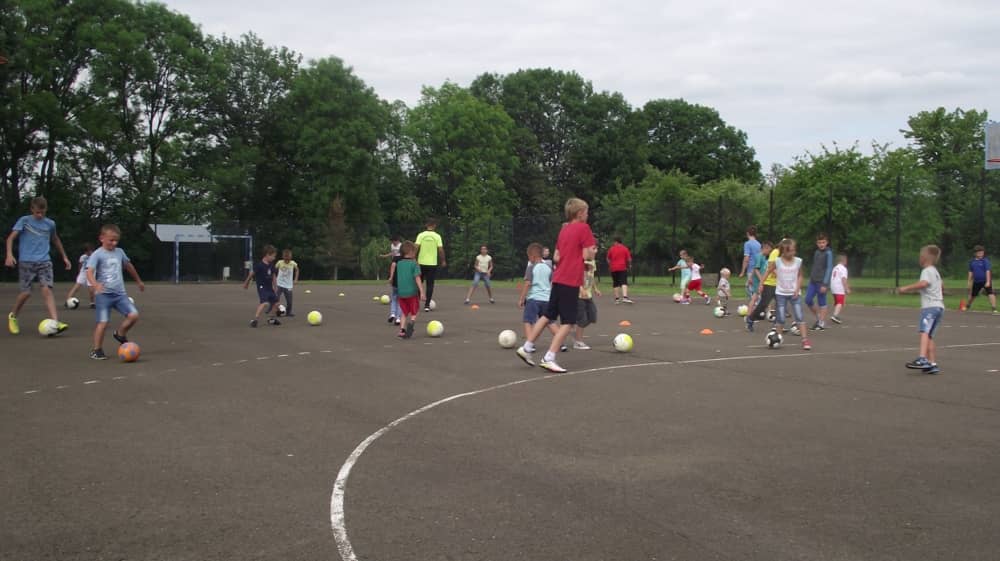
{"x":618,"y":257}
{"x":572,"y":239}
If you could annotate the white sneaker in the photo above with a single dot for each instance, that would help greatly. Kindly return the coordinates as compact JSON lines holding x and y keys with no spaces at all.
{"x":580,"y":346}
{"x":525,"y":356}
{"x":551,"y":366}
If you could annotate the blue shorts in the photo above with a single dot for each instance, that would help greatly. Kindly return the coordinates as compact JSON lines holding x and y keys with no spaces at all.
{"x":485,"y":277}
{"x":104,"y":303}
{"x":266,"y":294}
{"x":930,"y":319}
{"x":813,"y":293}
{"x":784,"y":302}
{"x":533,"y":309}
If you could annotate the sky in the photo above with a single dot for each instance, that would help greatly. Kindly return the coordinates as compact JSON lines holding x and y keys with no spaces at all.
{"x":795,"y":75}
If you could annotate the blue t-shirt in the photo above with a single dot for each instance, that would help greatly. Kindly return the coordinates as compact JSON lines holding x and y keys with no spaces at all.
{"x":107,"y":266}
{"x":263,"y":273}
{"x":978,"y":268}
{"x":751,"y":249}
{"x":539,"y":279}
{"x":33,"y":238}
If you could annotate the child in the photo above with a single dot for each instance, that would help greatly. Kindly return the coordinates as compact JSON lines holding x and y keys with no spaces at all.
{"x":394,"y":245}
{"x":411,"y":289}
{"x":483,"y":268}
{"x":288,"y":275}
{"x":765,"y":293}
{"x":840,"y":287}
{"x":694,"y":285}
{"x":263,"y":272}
{"x":536,"y":290}
{"x":931,"y":309}
{"x":395,"y":317}
{"x":586,"y":310}
{"x":619,"y":262}
{"x":547,"y":257}
{"x":575,"y":244}
{"x":430,"y":255}
{"x":819,"y":281}
{"x":34,"y":233}
{"x":682,"y":265}
{"x":104,"y":271}
{"x":981,"y":278}
{"x":757,"y":270}
{"x":81,"y":277}
{"x":788,"y":272}
{"x":724,"y":291}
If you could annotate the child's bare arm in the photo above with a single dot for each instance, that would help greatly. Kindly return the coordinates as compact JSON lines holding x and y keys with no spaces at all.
{"x":135,"y":276}
{"x":847,"y":286}
{"x":917,"y":286}
{"x":10,"y":261}
{"x":62,"y":251}
{"x":296,"y":273}
{"x":420,"y":286}
{"x":522,"y":297}
{"x":246,"y":283}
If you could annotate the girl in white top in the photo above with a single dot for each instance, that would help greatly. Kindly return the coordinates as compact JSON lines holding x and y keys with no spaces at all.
{"x":788,"y":272}
{"x":840,"y":287}
{"x":81,"y":276}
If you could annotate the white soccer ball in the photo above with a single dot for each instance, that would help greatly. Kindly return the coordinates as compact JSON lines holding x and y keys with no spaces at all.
{"x":435,"y":328}
{"x":507,"y":338}
{"x":678,"y":297}
{"x":385,"y":299}
{"x":743,"y":310}
{"x":719,"y":312}
{"x":773,"y":339}
{"x":433,"y":305}
{"x":770,"y":315}
{"x":73,"y":303}
{"x":622,"y":342}
{"x":281,"y":310}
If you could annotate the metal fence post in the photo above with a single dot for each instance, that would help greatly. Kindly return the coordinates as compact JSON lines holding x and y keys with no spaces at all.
{"x":899,"y":221}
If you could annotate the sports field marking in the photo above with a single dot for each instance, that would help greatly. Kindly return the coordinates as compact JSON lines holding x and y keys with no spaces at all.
{"x":338,"y":520}
{"x":88,"y":382}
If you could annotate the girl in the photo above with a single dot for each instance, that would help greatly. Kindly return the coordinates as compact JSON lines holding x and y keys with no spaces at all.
{"x":788,"y":273}
{"x":81,"y":277}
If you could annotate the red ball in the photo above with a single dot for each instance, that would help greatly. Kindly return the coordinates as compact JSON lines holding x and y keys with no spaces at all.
{"x":128,"y":352}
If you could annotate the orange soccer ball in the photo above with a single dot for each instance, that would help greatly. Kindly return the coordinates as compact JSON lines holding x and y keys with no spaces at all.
{"x":128,"y":352}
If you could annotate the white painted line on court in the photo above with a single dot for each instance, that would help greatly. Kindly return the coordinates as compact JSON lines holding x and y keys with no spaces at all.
{"x":120,"y":378}
{"x":263,"y":357}
{"x":328,"y":351}
{"x":994,"y":370}
{"x":303,"y":353}
{"x":61,"y":387}
{"x":241,"y":361}
{"x":217,"y":364}
{"x":29,"y":392}
{"x":88,"y":382}
{"x":338,"y":519}
{"x":282,"y":356}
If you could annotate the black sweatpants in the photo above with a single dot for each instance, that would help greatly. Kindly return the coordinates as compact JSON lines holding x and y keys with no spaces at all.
{"x":765,"y":300}
{"x":429,"y":273}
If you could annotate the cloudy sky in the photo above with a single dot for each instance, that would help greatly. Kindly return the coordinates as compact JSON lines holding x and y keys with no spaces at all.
{"x":792,"y":74}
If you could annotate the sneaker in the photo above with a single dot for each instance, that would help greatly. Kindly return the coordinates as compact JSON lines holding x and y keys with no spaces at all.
{"x":253,"y":323}
{"x":12,"y":324}
{"x":795,"y":331}
{"x":918,"y":363}
{"x":686,"y":302}
{"x":525,"y":356}
{"x":98,"y":354}
{"x":563,"y":348}
{"x":466,"y":303}
{"x":120,"y":338}
{"x":492,"y":301}
{"x":580,"y":346}
{"x":552,"y":366}
{"x":273,"y":321}
{"x":392,"y":319}
{"x":617,"y":301}
{"x":708,"y":300}
{"x":818,"y":326}
{"x":401,"y":334}
{"x":836,"y":320}
{"x":749,"y":324}
{"x":409,"y":328}
{"x":932,"y":368}
{"x":627,"y":300}
{"x":427,"y":309}
{"x":398,"y":322}
{"x":60,"y":327}
{"x":806,"y":345}
{"x":995,"y":312}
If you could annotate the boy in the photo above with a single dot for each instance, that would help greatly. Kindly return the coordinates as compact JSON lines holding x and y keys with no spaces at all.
{"x":263,"y":272}
{"x":931,"y":309}
{"x":682,"y":265}
{"x":751,"y":249}
{"x":547,"y":257}
{"x":788,"y":290}
{"x":619,"y":262}
{"x":394,"y":244}
{"x":34,"y":233}
{"x":429,"y":252}
{"x":104,"y":272}
{"x":757,"y":270}
{"x":980,"y":278}
{"x":483,"y":267}
{"x":765,"y":293}
{"x":819,"y":281}
{"x":288,"y":275}
{"x":410,"y":287}
{"x":724,"y":290}
{"x":575,"y":244}
{"x":536,"y":290}
{"x":81,"y":277}
{"x":840,"y":287}
{"x":586,"y":309}
{"x":694,"y":285}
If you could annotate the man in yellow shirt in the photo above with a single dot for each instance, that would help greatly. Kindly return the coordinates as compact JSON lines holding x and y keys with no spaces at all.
{"x":430,"y":253}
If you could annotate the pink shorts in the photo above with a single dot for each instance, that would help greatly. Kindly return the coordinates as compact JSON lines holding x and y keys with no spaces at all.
{"x":695,"y":285}
{"x":839,"y":299}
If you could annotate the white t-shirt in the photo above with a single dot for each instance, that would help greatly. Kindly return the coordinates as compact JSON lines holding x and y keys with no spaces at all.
{"x":931,"y":296}
{"x":286,"y":273}
{"x":724,"y":286}
{"x":483,"y":263}
{"x":837,"y":279}
{"x":788,"y":276}
{"x":395,"y":249}
{"x":695,"y":271}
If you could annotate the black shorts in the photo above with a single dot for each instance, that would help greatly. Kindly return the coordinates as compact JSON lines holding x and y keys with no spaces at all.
{"x":562,"y":303}
{"x":266,"y":295}
{"x":980,"y":286}
{"x":586,"y":312}
{"x":619,"y":278}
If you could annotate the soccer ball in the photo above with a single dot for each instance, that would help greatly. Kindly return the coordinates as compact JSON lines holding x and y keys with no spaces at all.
{"x":507,"y":338}
{"x":678,"y":297}
{"x":131,"y":300}
{"x":770,"y":315}
{"x":773,"y":339}
{"x":281,"y":310}
{"x":73,"y":303}
{"x":622,"y":342}
{"x":48,"y":327}
{"x":128,"y":352}
{"x":384,"y":299}
{"x":314,"y":318}
{"x":433,"y":305}
{"x":435,"y":328}
{"x":743,"y":310}
{"x":719,"y":312}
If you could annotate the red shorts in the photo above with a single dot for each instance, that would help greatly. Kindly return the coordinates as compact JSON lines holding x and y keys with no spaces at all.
{"x":839,"y":299}
{"x":694,"y":285}
{"x":409,"y":305}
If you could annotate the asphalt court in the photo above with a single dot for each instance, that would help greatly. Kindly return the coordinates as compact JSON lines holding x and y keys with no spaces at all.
{"x":224,"y":442}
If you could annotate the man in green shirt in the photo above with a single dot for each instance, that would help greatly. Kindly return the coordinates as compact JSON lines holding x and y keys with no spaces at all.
{"x":430,"y":253}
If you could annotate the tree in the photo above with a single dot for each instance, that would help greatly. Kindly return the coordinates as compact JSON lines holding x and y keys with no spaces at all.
{"x":695,"y":140}
{"x":339,"y":248}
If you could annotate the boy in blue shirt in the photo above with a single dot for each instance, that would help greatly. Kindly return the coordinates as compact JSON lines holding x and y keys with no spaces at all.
{"x":981,"y":278}
{"x":104,"y":271}
{"x":263,"y":272}
{"x":34,"y":233}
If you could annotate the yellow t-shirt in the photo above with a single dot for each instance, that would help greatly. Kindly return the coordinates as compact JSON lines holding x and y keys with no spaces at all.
{"x":772,"y":279}
{"x":429,"y":242}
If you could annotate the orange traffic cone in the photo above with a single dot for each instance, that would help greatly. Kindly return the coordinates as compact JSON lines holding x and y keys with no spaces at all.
{"x":961,"y":305}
